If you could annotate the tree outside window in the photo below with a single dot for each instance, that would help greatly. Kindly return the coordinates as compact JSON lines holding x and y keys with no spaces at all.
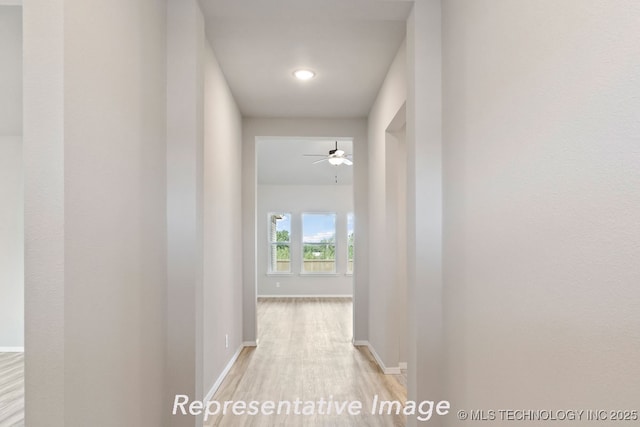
{"x":319,"y":243}
{"x":280,"y":242}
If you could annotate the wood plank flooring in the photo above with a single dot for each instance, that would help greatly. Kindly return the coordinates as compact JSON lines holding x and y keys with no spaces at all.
{"x":11,"y":389}
{"x":305,"y":353}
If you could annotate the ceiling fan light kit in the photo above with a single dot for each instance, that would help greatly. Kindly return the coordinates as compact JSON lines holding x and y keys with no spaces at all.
{"x":336,"y":157}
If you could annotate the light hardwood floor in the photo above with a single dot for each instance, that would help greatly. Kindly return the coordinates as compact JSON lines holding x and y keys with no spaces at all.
{"x":305,"y":352}
{"x":11,"y":389}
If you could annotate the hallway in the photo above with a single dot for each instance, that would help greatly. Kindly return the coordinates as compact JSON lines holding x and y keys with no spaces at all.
{"x":495,"y":149}
{"x":305,"y":352}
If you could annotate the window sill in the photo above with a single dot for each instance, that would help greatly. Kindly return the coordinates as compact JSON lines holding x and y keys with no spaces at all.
{"x":279,"y":274}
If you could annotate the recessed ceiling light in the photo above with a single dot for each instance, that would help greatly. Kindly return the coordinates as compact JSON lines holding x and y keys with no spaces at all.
{"x":304,"y":74}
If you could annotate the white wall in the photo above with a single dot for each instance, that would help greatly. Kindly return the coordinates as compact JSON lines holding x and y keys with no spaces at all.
{"x":542,"y":200}
{"x":204,"y":211}
{"x":11,"y":244}
{"x":114,"y":165}
{"x":384,"y":290}
{"x":10,"y":70}
{"x":11,"y":181}
{"x":424,"y":204}
{"x":95,"y":212}
{"x":396,"y":228}
{"x":43,"y":152}
{"x":185,"y":147}
{"x":253,"y":128}
{"x":222,"y":222}
{"x":296,"y":199}
{"x":100,"y":316}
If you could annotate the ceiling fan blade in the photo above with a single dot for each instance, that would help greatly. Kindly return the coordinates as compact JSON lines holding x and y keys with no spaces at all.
{"x":346,"y":161}
{"x":320,"y":161}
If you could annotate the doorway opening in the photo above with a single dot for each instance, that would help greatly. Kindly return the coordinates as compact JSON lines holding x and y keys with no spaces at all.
{"x":305,"y":235}
{"x":396,"y":167}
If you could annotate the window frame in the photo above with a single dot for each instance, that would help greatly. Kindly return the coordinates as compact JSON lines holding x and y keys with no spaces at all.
{"x":275,"y":243}
{"x":351,"y":244}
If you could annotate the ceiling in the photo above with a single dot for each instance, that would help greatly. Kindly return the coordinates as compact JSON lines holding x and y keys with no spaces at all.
{"x":350,"y":44}
{"x":281,"y":161}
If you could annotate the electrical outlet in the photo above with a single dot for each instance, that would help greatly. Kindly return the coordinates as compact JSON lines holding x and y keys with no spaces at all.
{"x":226,"y":340}
{"x":277,"y":284}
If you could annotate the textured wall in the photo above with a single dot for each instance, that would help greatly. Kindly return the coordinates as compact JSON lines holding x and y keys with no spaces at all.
{"x":542,"y":200}
{"x":184,"y":208}
{"x":43,"y":152}
{"x":384,"y":321}
{"x":95,"y":212}
{"x":114,"y":210}
{"x":424,"y":203}
{"x":222,"y":287}
{"x":11,"y":180}
{"x":11,"y":243}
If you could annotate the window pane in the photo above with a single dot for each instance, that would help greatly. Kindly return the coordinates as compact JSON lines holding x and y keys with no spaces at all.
{"x":319,"y":249}
{"x":280,"y":237}
{"x":319,"y":258}
{"x":283,"y":258}
{"x":280,"y":227}
{"x":319,"y":252}
{"x":318,"y":228}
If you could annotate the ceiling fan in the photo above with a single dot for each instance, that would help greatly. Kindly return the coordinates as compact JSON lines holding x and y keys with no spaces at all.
{"x":336,"y":157}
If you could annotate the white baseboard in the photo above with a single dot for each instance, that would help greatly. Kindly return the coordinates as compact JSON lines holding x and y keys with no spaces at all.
{"x":387,"y":370}
{"x":223,"y":374}
{"x":11,"y":349}
{"x":361,"y":343}
{"x":250,"y":344}
{"x":402,"y":366}
{"x":305,"y":296}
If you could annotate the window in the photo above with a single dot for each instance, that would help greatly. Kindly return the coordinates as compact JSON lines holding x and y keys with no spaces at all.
{"x":350,"y":242}
{"x":319,"y":243}
{"x":280,"y":243}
